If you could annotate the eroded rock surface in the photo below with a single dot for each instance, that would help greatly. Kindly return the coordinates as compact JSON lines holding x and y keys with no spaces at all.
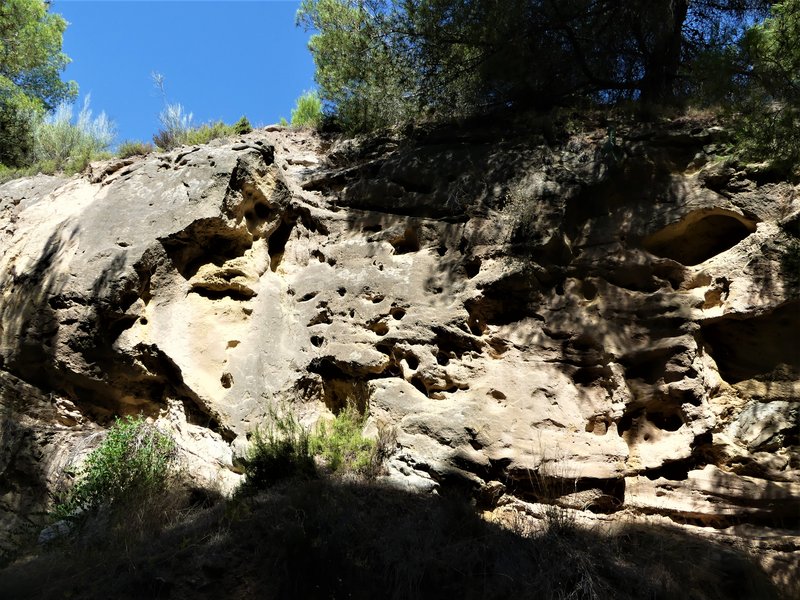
{"x":539,"y":322}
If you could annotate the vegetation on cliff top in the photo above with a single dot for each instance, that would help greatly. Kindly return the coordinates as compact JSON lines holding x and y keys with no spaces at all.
{"x":387,"y":62}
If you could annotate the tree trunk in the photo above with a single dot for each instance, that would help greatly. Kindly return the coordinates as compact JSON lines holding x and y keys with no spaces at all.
{"x":663,"y":60}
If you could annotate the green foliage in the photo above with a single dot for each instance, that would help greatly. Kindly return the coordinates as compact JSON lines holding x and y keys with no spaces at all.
{"x":242,"y":126}
{"x":207,"y":132}
{"x":9,"y":173}
{"x":30,"y":65}
{"x":307,"y":111}
{"x":359,"y":71}
{"x":130,"y":148}
{"x":766,"y":128}
{"x":63,"y":145}
{"x":283,"y":122}
{"x":282,"y":448}
{"x":384,"y":62}
{"x":132,"y":463}
{"x":181,"y":133}
{"x":342,"y":445}
{"x":279,"y":449}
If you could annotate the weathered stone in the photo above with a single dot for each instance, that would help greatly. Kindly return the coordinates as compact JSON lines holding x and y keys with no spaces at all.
{"x":515,"y":312}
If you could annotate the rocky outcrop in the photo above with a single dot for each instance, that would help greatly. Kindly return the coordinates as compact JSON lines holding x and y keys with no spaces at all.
{"x":614,"y":332}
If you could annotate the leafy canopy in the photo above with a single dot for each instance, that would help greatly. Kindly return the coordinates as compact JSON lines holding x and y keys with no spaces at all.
{"x":31,"y":63}
{"x":380,"y":62}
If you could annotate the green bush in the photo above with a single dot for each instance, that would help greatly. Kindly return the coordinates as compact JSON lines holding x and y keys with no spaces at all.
{"x":178,"y":135}
{"x":342,"y":445}
{"x":242,"y":126}
{"x":64,"y":145}
{"x":207,"y":132}
{"x":130,"y":148}
{"x":132,"y":463}
{"x":307,"y":111}
{"x":283,"y":448}
{"x":278,"y":450}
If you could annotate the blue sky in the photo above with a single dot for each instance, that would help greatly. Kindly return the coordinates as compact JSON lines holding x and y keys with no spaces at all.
{"x":220,"y":59}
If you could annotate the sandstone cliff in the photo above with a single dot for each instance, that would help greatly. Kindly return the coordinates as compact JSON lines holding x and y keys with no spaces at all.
{"x":610,"y":328}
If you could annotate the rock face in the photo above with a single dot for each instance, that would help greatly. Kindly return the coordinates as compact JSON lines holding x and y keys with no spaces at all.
{"x":615,"y":332}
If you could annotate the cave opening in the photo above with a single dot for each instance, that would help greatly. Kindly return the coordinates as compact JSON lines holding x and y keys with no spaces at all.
{"x":695,"y":240}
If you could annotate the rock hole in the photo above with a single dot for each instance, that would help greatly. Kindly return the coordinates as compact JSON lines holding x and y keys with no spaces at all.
{"x":143,"y":320}
{"x":378,"y":298}
{"x":233,"y":343}
{"x":397,"y":313}
{"x":748,"y":348}
{"x":412,"y":362}
{"x":341,"y":291}
{"x":318,"y":255}
{"x":476,"y":327}
{"x":627,"y":421}
{"x":589,"y":290}
{"x":597,"y":425}
{"x":226,"y":380}
{"x":591,"y":374}
{"x":276,"y":244}
{"x":237,"y":294}
{"x":408,"y":242}
{"x":206,"y":241}
{"x":323,"y":317}
{"x":497,"y":395}
{"x":261,"y":210}
{"x":472,"y":267}
{"x":317,"y":340}
{"x":667,"y":422}
{"x":674,"y":471}
{"x":332,"y":262}
{"x":380,"y":328}
{"x":442,"y":359}
{"x":308,"y":296}
{"x":647,"y":365}
{"x":699,"y":236}
{"x":441,"y":250}
{"x":373,"y":228}
{"x":417,"y":382}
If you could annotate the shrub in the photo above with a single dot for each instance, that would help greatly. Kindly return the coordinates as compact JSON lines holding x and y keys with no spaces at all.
{"x":307,"y":111}
{"x":175,"y":123}
{"x":242,"y":126}
{"x":132,"y":463}
{"x":167,"y":139}
{"x":69,"y":146}
{"x":342,"y":445}
{"x":9,"y":173}
{"x":130,"y":148}
{"x":278,"y":450}
{"x":283,"y":448}
{"x":207,"y":132}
